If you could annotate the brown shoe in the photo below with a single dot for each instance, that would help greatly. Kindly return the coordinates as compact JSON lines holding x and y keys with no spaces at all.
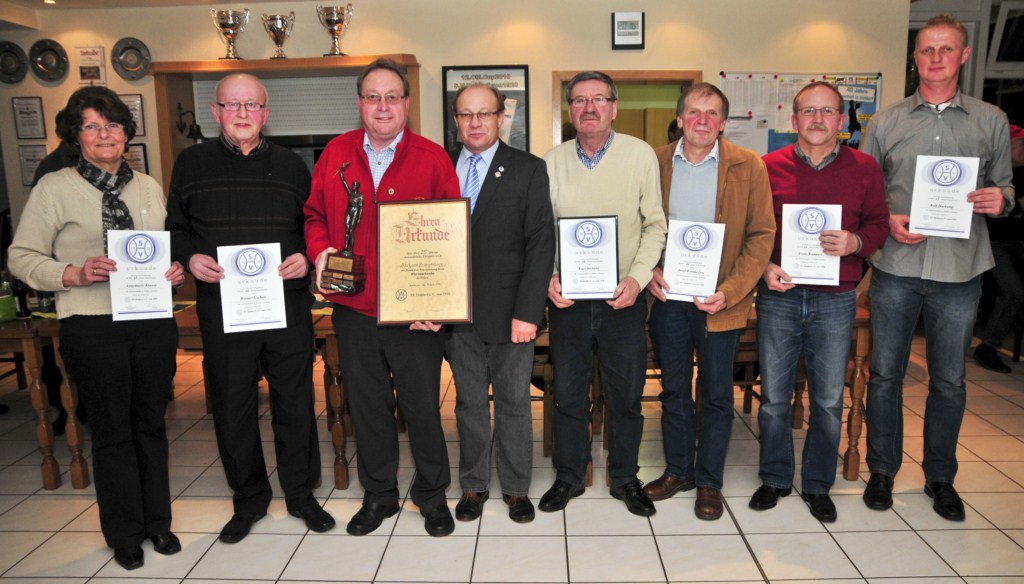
{"x":666,"y":486}
{"x":709,"y":503}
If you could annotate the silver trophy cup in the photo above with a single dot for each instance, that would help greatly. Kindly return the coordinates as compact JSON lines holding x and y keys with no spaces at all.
{"x":279,"y":28}
{"x":336,"y":20}
{"x":229,"y":24}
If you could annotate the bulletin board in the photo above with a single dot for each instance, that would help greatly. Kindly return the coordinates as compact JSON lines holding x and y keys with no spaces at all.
{"x":761,"y":106}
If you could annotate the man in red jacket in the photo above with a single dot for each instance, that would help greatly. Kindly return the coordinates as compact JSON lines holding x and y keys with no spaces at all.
{"x":390,"y":163}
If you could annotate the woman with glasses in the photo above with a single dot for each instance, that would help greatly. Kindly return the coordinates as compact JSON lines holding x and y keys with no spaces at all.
{"x":122,"y":369}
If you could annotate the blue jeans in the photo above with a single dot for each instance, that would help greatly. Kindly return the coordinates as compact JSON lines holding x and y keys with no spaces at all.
{"x":949,"y":312}
{"x":820,"y":325}
{"x":622,"y":352}
{"x":677,"y":329}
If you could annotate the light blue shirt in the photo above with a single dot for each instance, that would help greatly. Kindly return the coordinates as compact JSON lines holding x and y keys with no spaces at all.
{"x":462,"y":166}
{"x":589,"y":162}
{"x":380,"y":161}
{"x":694,"y":187}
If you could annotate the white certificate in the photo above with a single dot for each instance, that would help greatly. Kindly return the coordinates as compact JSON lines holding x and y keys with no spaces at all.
{"x":802,"y":255}
{"x":588,"y":256}
{"x":940,"y":207}
{"x":252,"y":292}
{"x":693,"y":254}
{"x":138,"y":289}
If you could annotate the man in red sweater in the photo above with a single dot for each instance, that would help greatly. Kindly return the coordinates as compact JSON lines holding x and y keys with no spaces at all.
{"x":814,"y":319}
{"x":390,"y":163}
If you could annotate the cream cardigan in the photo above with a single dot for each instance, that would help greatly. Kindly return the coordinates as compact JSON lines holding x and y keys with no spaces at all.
{"x":62,"y":225}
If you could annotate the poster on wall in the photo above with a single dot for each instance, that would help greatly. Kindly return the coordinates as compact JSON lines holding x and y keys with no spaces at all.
{"x":92,"y":69}
{"x":29,"y":158}
{"x":135,"y":156}
{"x":29,"y":123}
{"x":511,"y":80}
{"x":761,"y":106}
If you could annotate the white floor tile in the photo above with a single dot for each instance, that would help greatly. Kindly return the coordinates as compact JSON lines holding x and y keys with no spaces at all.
{"x":800,"y":556}
{"x":64,"y":555}
{"x":258,"y":556}
{"x":422,"y":558}
{"x":603,"y":517}
{"x":614,"y":559}
{"x":520,"y":559}
{"x":193,"y":547}
{"x":1004,"y":510}
{"x":894,"y":553}
{"x":706,"y":558}
{"x":44,"y":513}
{"x":978,"y":552}
{"x":336,"y":557}
{"x":15,"y":545}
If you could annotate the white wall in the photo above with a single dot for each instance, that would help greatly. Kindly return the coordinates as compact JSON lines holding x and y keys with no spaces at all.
{"x":706,"y":35}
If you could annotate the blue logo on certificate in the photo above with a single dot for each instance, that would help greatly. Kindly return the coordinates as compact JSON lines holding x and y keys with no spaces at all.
{"x":946,"y":172}
{"x":250,"y":261}
{"x":588,"y":234}
{"x":695,"y":238}
{"x":140,"y":248}
{"x":811,"y":220}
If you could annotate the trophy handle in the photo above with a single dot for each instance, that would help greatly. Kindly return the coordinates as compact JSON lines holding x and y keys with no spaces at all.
{"x":291,"y":23}
{"x":320,"y":15}
{"x":245,"y":19}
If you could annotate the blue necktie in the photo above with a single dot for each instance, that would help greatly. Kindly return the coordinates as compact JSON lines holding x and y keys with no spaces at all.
{"x":472,"y":182}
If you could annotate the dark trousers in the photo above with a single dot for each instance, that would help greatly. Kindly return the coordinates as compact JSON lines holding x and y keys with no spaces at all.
{"x":122,"y":371}
{"x":369,"y":356}
{"x":232,"y":362}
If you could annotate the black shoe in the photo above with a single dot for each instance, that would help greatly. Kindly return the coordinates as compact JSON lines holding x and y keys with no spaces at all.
{"x":558,"y":496}
{"x":766,"y":497}
{"x":988,"y":358}
{"x":520,"y":508}
{"x":878,"y":493}
{"x":315,"y":517}
{"x":947,"y":502}
{"x":439,"y":522}
{"x":4,"y":408}
{"x":236,"y":529}
{"x":636,"y":501}
{"x":471,"y":506}
{"x":821,"y":505}
{"x":166,"y":543}
{"x":369,"y":517}
{"x":129,"y":558}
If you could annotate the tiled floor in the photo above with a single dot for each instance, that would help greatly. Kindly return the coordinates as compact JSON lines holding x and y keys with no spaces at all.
{"x":53,"y":536}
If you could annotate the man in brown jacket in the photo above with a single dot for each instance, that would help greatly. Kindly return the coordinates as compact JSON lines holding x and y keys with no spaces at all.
{"x":707,"y":179}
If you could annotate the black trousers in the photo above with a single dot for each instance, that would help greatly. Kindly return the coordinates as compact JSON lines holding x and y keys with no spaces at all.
{"x":232,"y":362}
{"x":369,"y":357}
{"x":122,"y":371}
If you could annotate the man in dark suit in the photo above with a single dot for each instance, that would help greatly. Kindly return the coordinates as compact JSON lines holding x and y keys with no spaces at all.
{"x":513,"y":251}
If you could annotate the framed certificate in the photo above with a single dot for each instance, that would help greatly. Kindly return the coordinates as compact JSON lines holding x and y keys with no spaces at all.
{"x":423,"y":269}
{"x":134,"y":103}
{"x":29,"y":122}
{"x":135,"y":155}
{"x":588,"y":256}
{"x":939,"y":207}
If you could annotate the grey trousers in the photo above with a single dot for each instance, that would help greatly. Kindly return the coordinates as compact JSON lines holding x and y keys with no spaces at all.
{"x":507,"y":367}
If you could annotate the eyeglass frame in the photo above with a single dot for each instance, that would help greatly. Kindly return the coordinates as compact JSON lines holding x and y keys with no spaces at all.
{"x":581,"y":102}
{"x":826,"y":112}
{"x":388,"y":98}
{"x":110,"y":127}
{"x":235,"y":106}
{"x":483,"y":117}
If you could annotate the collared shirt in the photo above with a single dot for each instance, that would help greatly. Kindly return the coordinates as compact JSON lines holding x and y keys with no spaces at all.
{"x":462,"y":166}
{"x":380,"y":161}
{"x":591,"y":162}
{"x":234,"y":149}
{"x":824,"y":161}
{"x":967,"y":127}
{"x":694,"y":186}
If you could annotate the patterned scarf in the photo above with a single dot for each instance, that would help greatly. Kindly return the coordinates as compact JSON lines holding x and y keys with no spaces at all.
{"x":115,"y":212}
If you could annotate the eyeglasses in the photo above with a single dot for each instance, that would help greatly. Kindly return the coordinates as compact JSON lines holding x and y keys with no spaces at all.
{"x":597,"y":100}
{"x":810,"y":112}
{"x":374,"y":98}
{"x":111,"y":128}
{"x":481,"y":116}
{"x":250,"y":106}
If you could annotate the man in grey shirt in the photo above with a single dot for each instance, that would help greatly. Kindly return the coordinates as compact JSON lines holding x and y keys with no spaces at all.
{"x":938,"y":276}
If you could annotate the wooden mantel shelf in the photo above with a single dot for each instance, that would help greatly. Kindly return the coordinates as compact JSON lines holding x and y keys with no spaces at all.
{"x":297,"y":67}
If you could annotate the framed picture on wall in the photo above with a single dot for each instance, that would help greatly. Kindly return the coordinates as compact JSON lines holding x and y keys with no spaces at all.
{"x":135,"y":155}
{"x":134,"y":103}
{"x":513,"y":81}
{"x":627,"y":30}
{"x":29,"y":158}
{"x":29,"y":123}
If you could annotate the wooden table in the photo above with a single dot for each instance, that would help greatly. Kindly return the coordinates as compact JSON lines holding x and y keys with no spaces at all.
{"x":28,"y":337}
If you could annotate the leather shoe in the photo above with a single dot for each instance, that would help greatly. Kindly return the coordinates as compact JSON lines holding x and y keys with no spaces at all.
{"x":439,"y":522}
{"x":236,"y":529}
{"x":129,"y":558}
{"x":636,"y":501}
{"x":821,"y":505}
{"x":766,"y":497}
{"x":878,"y":493}
{"x":471,"y":506}
{"x":558,"y":496}
{"x":165,"y":543}
{"x":709,"y":504}
{"x":947,"y":502}
{"x":315,"y":517}
{"x":666,"y":486}
{"x":369,"y":517}
{"x":520,"y":509}
{"x":988,"y":358}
